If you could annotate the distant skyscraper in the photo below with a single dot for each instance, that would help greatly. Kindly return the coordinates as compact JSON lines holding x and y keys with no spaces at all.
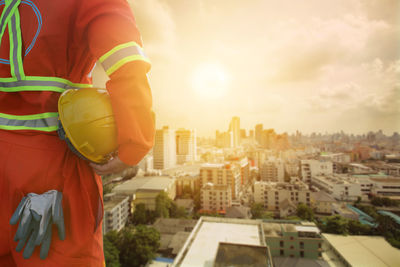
{"x":243,"y":134}
{"x":164,"y":151}
{"x":234,"y":127}
{"x":251,"y":134}
{"x":258,"y":133}
{"x":186,"y":145}
{"x":224,"y":139}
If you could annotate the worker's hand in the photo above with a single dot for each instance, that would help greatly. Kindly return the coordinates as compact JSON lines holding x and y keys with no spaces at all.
{"x":115,"y":165}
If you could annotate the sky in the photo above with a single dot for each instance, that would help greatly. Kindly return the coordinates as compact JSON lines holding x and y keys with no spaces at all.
{"x":312,"y":65}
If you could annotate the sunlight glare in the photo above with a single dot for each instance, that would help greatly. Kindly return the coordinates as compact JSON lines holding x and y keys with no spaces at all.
{"x":210,"y":80}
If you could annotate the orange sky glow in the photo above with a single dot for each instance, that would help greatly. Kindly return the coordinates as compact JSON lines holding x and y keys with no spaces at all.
{"x":313,"y":65}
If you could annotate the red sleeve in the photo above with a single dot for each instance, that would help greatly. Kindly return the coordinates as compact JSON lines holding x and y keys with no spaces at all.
{"x":111,"y":27}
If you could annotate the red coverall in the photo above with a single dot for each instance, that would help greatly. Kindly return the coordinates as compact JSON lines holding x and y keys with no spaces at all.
{"x":64,"y":39}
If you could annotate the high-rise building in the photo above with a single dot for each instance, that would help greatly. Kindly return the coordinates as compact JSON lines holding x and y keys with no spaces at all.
{"x":272,"y":195}
{"x":215,"y":197}
{"x":234,"y":127}
{"x":116,"y":212}
{"x":251,"y":134}
{"x":186,"y":146}
{"x":224,"y":139}
{"x":258,"y":133}
{"x":164,"y":152}
{"x":272,"y":170}
{"x":221,"y":174}
{"x":311,"y":168}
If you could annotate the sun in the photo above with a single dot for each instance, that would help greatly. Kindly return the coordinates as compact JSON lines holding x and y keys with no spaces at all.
{"x":210,"y":80}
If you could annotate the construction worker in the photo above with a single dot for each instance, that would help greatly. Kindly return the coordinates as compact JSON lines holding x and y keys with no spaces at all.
{"x":46,"y":48}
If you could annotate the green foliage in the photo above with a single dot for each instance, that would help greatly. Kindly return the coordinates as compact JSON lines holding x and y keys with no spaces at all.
{"x":305,"y":212}
{"x":357,"y":228}
{"x":197,"y":201}
{"x":163,"y":205}
{"x":107,"y":189}
{"x":111,"y":252}
{"x":370,"y":210}
{"x":140,"y":215}
{"x":258,"y":212}
{"x":187,"y":192}
{"x":336,"y":225}
{"x":384,"y":201}
{"x":137,"y":245}
{"x":293,"y":218}
{"x":178,"y":212}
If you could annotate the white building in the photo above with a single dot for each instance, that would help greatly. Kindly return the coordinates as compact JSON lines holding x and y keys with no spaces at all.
{"x":146,"y":164}
{"x":234,"y":127}
{"x":215,"y":198}
{"x":214,"y":240}
{"x":341,"y":187}
{"x":164,"y":151}
{"x":378,"y":184}
{"x":336,"y":157}
{"x":311,"y":168}
{"x":272,"y":194}
{"x":186,"y":146}
{"x":272,"y":170}
{"x":116,"y":212}
{"x":221,"y":174}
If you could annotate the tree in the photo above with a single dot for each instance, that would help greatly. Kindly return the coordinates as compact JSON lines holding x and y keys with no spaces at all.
{"x":111,"y":253}
{"x":336,"y":225}
{"x":187,"y":191}
{"x":256,"y":210}
{"x":357,"y":228}
{"x":163,"y":205}
{"x":305,"y":212}
{"x":138,"y":245}
{"x":140,"y":214}
{"x":197,"y":201}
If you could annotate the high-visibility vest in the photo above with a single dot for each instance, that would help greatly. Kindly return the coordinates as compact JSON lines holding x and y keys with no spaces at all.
{"x":48,"y":121}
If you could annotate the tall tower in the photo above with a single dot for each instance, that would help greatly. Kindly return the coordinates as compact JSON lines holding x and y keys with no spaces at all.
{"x":258,"y":133}
{"x":186,"y":146}
{"x":164,"y":151}
{"x":234,"y":127}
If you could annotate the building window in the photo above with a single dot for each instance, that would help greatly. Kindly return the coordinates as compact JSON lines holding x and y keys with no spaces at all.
{"x":302,"y":254}
{"x":319,"y":245}
{"x":281,"y":252}
{"x":319,"y":254}
{"x":302,"y":245}
{"x":291,"y":247}
{"x":281,"y":244}
{"x":291,"y":238}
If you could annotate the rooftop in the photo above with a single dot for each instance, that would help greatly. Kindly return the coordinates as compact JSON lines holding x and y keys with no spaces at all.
{"x":365,"y":250}
{"x":144,"y":183}
{"x":201,"y":248}
{"x":237,"y":255}
{"x":112,"y":201}
{"x":322,"y":196}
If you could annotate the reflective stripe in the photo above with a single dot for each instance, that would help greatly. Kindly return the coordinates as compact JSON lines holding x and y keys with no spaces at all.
{"x":41,"y":122}
{"x":38,"y":84}
{"x":6,"y":14}
{"x":16,"y":64}
{"x":120,"y":55}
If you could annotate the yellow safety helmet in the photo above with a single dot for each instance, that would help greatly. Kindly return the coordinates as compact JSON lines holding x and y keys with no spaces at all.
{"x":87,"y":123}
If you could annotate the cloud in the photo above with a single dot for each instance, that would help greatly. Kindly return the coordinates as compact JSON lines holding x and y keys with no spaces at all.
{"x":157,"y":27}
{"x":328,"y":62}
